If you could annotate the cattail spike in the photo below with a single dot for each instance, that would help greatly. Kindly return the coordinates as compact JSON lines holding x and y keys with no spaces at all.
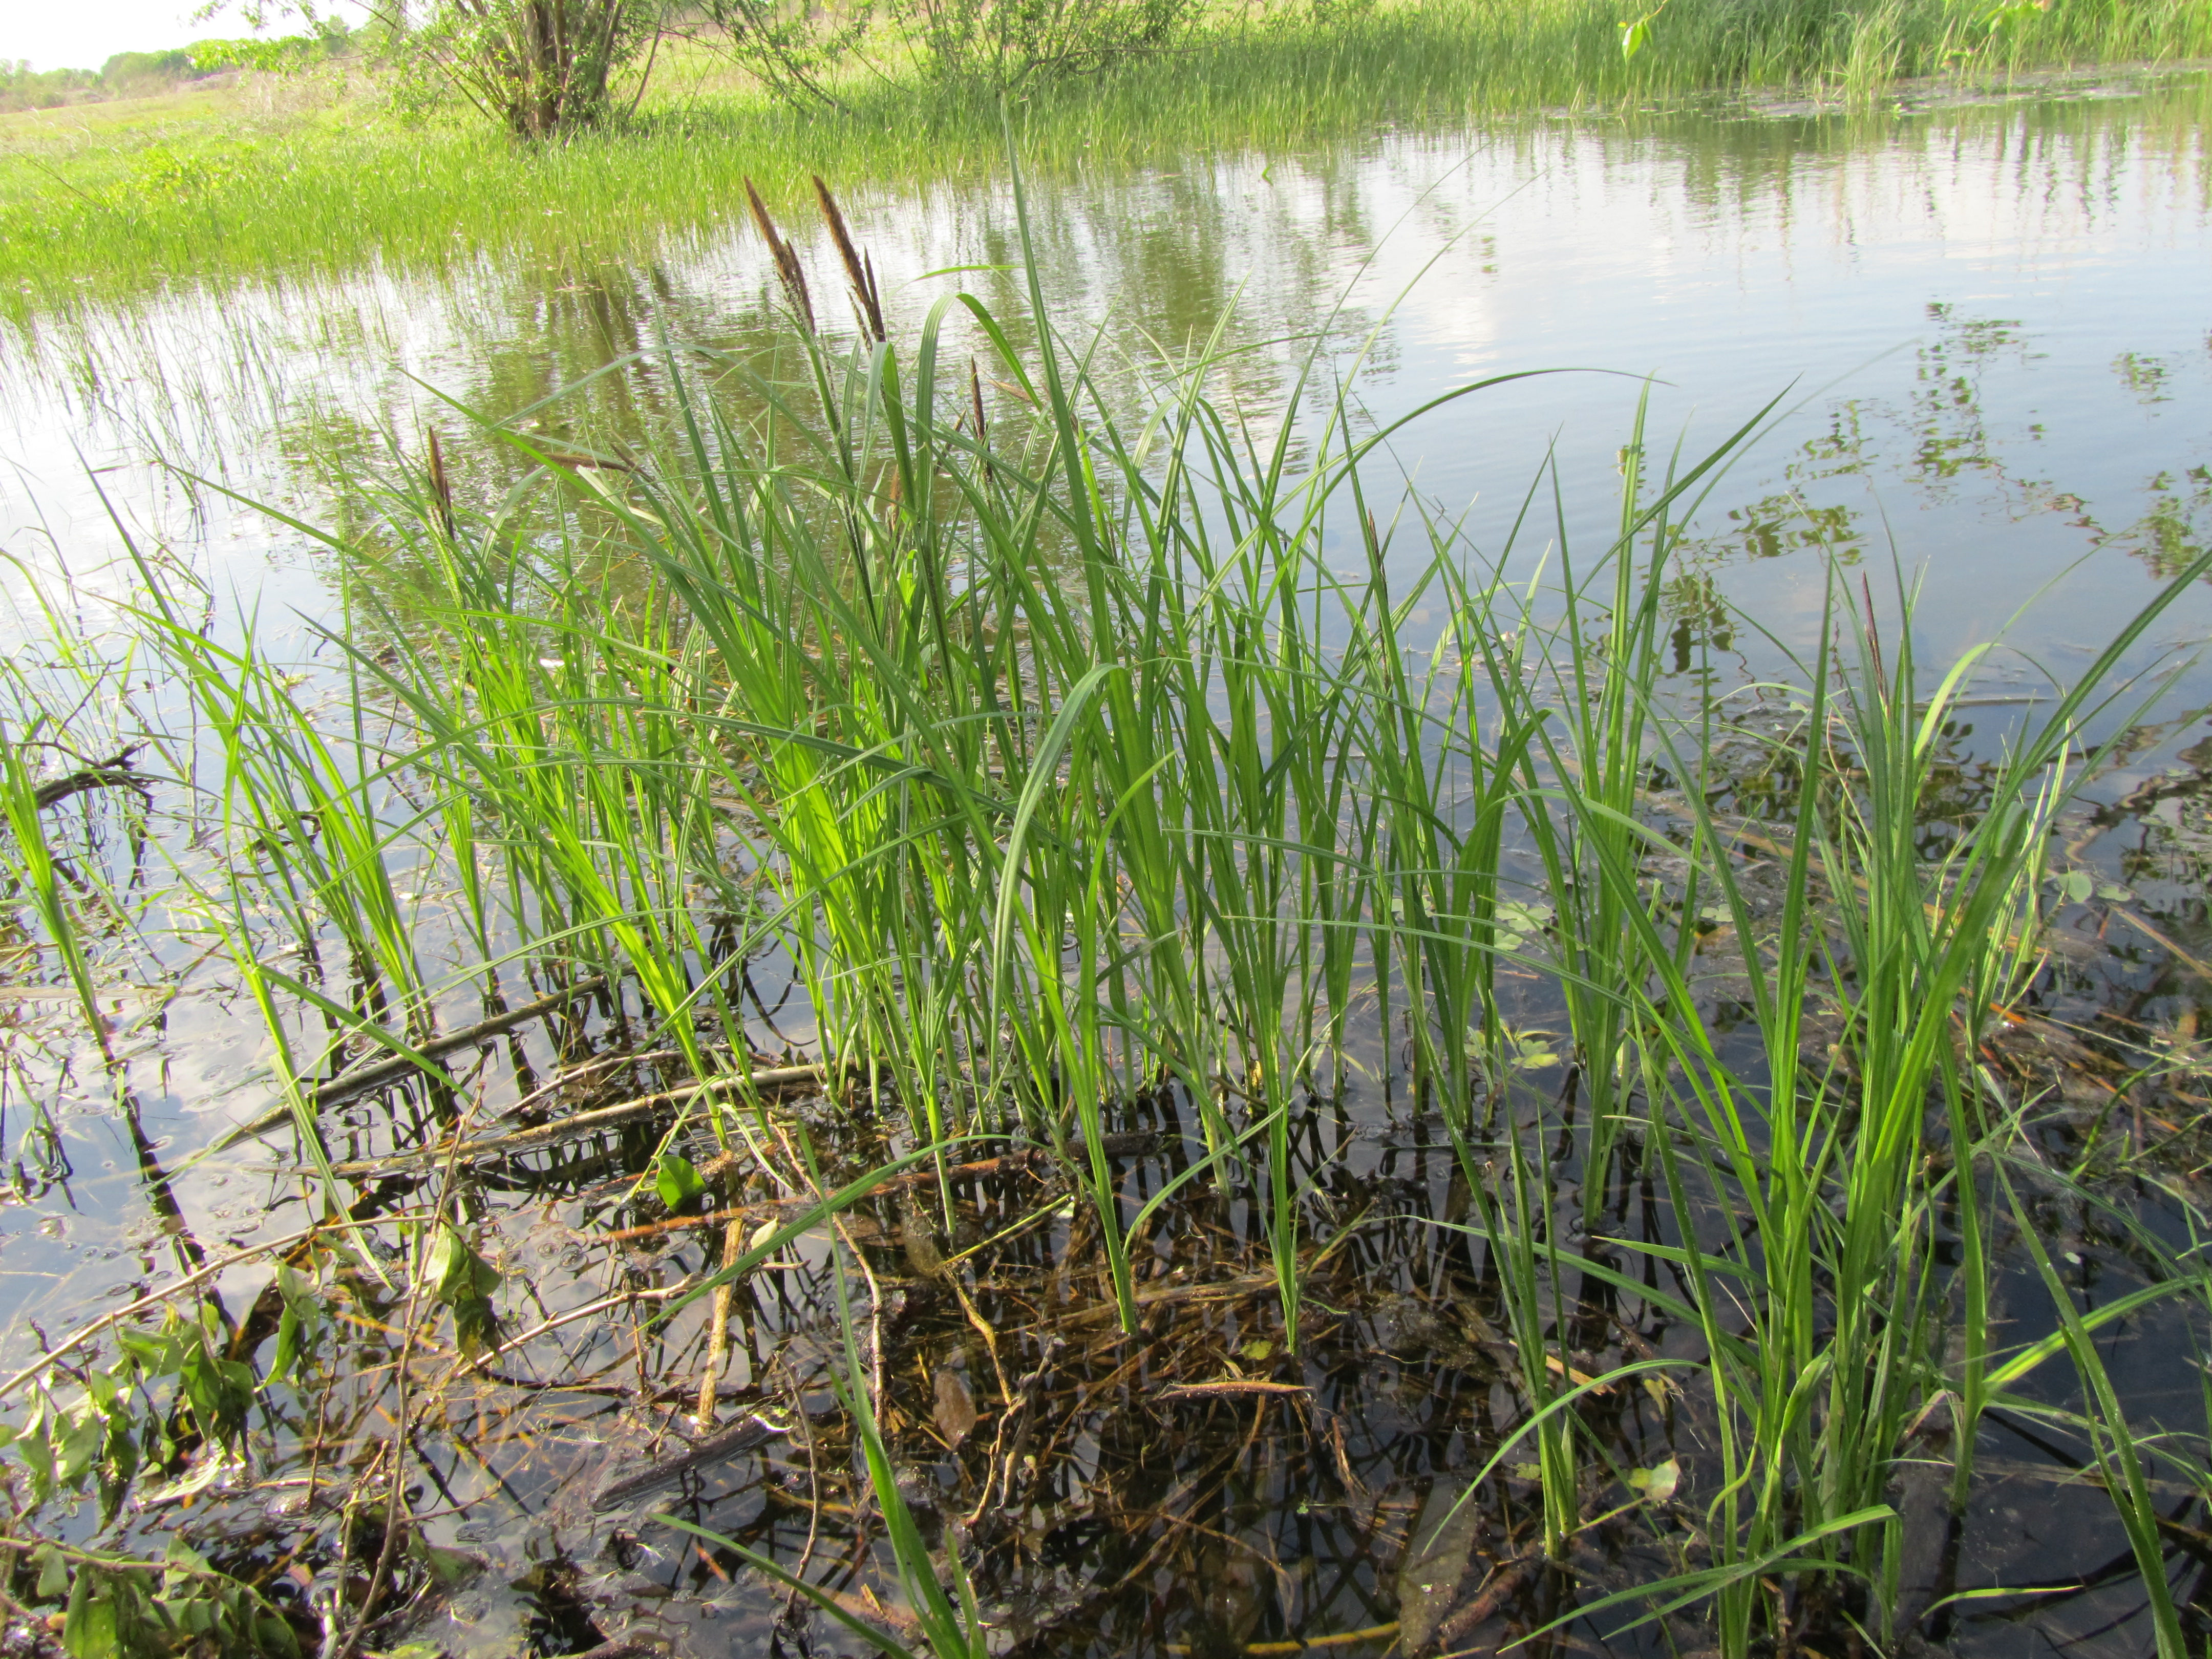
{"x":856,"y":270}
{"x":983,"y":426}
{"x":441,"y":486}
{"x":787,"y":268}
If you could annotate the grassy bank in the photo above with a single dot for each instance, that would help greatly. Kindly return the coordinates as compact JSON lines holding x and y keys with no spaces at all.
{"x":109,"y":205}
{"x":1064,"y":779}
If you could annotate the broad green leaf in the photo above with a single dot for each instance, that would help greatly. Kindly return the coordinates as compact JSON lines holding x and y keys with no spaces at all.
{"x":677,"y":1180}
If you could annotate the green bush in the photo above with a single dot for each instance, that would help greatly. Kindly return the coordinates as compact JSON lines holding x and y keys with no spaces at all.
{"x":130,"y":70}
{"x":23,"y":87}
{"x":329,"y":38}
{"x":795,"y":49}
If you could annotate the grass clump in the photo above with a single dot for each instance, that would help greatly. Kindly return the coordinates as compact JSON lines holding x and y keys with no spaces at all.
{"x":1059,"y":761}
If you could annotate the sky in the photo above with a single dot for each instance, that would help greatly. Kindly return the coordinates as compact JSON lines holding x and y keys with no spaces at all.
{"x":86,"y":34}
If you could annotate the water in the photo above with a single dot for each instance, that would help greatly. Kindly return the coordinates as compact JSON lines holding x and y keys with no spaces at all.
{"x":1989,"y":331}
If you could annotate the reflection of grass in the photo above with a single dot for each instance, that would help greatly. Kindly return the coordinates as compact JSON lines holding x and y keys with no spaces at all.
{"x":78,"y":201}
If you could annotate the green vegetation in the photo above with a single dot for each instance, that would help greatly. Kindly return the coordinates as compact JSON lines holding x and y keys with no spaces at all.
{"x":134,"y":75}
{"x":80,"y":217}
{"x":1066,"y":758}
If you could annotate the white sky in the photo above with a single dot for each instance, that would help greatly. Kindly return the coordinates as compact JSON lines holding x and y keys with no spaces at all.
{"x":59,"y":35}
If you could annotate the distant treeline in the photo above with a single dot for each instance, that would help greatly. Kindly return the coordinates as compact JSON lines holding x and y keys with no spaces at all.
{"x":137,"y":74}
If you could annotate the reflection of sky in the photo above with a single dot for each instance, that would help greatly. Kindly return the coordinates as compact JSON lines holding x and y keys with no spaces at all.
{"x":1823,"y":276}
{"x":1736,"y":261}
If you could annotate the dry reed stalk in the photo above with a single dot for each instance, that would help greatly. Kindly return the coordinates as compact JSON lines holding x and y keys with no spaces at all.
{"x":982,"y":423}
{"x":441,"y":486}
{"x":734,"y":1246}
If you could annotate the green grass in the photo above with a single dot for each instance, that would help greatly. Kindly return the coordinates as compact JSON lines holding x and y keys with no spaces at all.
{"x":1046,"y":745}
{"x":98,"y":205}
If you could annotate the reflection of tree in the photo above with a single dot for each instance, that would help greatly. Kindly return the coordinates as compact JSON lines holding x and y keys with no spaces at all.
{"x":2176,"y":530}
{"x":1154,"y":256}
{"x":1703,"y":622}
{"x":2146,"y":377}
{"x":1787,"y":523}
{"x":1949,"y":428}
{"x":1939,"y":437}
{"x":2160,"y":846}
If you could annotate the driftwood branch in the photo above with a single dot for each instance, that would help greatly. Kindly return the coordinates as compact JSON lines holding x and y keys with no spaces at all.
{"x":100,"y":775}
{"x":346,"y":1085}
{"x":580,"y":1124}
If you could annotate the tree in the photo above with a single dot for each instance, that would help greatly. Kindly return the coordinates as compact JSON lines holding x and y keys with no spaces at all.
{"x":541,"y":68}
{"x":795,"y":47}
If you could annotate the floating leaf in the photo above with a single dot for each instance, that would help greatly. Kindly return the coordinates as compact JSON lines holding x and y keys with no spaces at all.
{"x":53,"y":1573}
{"x":220,"y":1392}
{"x":464,"y":1281}
{"x":81,"y":1441}
{"x":1531,"y":1053}
{"x":1656,"y":1484}
{"x":955,"y":1407}
{"x":677,"y":1180}
{"x":298,"y":1327}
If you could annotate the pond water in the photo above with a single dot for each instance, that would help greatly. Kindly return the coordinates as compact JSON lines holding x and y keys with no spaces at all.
{"x":1979,"y":339}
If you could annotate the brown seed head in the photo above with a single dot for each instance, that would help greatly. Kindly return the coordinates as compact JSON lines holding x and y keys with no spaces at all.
{"x":858,"y":271}
{"x":787,"y":262}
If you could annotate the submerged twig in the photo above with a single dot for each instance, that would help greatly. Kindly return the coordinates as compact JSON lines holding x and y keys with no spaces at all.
{"x":523,"y":1339}
{"x":1232,"y":1385}
{"x":100,"y":775}
{"x":580,"y":1123}
{"x":1505,"y":1578}
{"x":395,"y":1499}
{"x":1025,"y":1158}
{"x":741,"y":1436}
{"x":348,"y":1084}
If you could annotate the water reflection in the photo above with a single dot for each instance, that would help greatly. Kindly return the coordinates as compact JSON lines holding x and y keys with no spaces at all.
{"x":2049,"y":254}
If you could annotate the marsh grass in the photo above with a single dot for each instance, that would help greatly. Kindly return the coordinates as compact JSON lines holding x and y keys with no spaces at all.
{"x":1060,"y":762}
{"x":101,"y":214}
